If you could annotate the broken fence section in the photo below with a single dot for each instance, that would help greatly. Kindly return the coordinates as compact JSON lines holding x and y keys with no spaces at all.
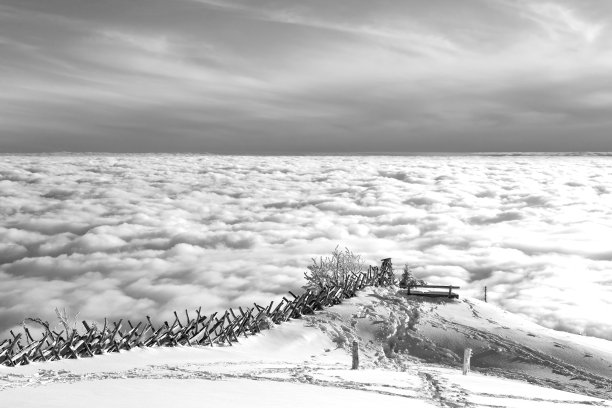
{"x":194,"y":329}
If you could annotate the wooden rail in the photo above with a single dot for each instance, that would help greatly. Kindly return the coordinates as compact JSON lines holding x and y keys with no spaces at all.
{"x":197,"y":329}
{"x":450,"y":293}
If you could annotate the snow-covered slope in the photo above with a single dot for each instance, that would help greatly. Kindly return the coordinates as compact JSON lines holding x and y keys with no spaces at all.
{"x":438,"y":330}
{"x":409,"y":354}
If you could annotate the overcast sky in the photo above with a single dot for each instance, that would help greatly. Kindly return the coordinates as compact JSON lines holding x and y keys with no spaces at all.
{"x":299,"y":76}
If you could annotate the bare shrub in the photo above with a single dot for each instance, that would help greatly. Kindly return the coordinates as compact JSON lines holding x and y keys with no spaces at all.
{"x":65,"y":323}
{"x":333,"y":270}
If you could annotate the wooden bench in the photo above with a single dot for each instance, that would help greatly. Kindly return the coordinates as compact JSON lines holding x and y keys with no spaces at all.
{"x":447,"y":293}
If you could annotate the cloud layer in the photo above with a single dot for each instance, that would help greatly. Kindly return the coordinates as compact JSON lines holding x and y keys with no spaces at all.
{"x":134,"y":235}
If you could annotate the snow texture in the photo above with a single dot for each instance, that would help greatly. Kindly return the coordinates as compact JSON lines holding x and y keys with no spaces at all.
{"x":408,"y":357}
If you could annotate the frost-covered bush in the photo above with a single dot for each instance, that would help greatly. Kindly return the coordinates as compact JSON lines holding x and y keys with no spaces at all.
{"x":408,"y":278}
{"x":66,"y":325}
{"x":334,"y":270}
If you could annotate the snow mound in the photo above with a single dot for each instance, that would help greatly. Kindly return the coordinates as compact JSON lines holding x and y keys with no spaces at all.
{"x":395,"y":329}
{"x":410,"y":350}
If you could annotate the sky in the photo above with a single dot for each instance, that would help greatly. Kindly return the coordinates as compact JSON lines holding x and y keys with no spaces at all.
{"x":126,"y":236}
{"x":307,"y":76}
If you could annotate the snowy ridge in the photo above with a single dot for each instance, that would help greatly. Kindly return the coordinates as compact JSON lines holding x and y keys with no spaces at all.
{"x":409,"y":353}
{"x":438,"y":330}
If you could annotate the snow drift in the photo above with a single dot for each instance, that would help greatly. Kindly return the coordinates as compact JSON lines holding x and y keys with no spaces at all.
{"x":410,"y":350}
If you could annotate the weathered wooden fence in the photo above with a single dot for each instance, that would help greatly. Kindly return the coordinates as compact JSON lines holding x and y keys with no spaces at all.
{"x":197,"y":329}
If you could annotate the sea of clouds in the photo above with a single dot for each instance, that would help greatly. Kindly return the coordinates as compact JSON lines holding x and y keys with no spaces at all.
{"x":134,"y":235}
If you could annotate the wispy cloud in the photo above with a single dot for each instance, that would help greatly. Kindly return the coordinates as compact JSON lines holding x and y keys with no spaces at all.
{"x":412,"y":73}
{"x":154,"y":44}
{"x":432,"y":43}
{"x":558,"y":20}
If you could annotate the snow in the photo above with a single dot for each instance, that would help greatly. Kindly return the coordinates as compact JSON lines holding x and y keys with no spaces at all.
{"x":171,"y":392}
{"x":305,"y":363}
{"x":294,"y":342}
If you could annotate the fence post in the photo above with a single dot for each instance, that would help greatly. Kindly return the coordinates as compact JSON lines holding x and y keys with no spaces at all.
{"x":355,"y":355}
{"x":386,"y":272}
{"x":485,"y":294}
{"x":467,"y":354}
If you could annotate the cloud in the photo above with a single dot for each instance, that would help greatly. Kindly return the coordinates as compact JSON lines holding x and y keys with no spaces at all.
{"x":304,"y":76}
{"x":151,"y":44}
{"x":558,"y":20}
{"x":421,"y":42}
{"x":134,"y":235}
{"x":11,"y":252}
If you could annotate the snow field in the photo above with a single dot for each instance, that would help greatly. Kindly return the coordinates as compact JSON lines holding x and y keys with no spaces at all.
{"x":305,"y":362}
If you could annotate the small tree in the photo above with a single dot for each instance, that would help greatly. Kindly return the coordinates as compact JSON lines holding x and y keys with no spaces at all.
{"x":408,"y":278}
{"x":334,"y":270}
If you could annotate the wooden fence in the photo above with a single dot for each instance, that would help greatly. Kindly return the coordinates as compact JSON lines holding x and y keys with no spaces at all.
{"x":197,"y":329}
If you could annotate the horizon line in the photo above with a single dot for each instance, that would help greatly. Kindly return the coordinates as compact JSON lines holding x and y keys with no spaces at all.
{"x":421,"y":153}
